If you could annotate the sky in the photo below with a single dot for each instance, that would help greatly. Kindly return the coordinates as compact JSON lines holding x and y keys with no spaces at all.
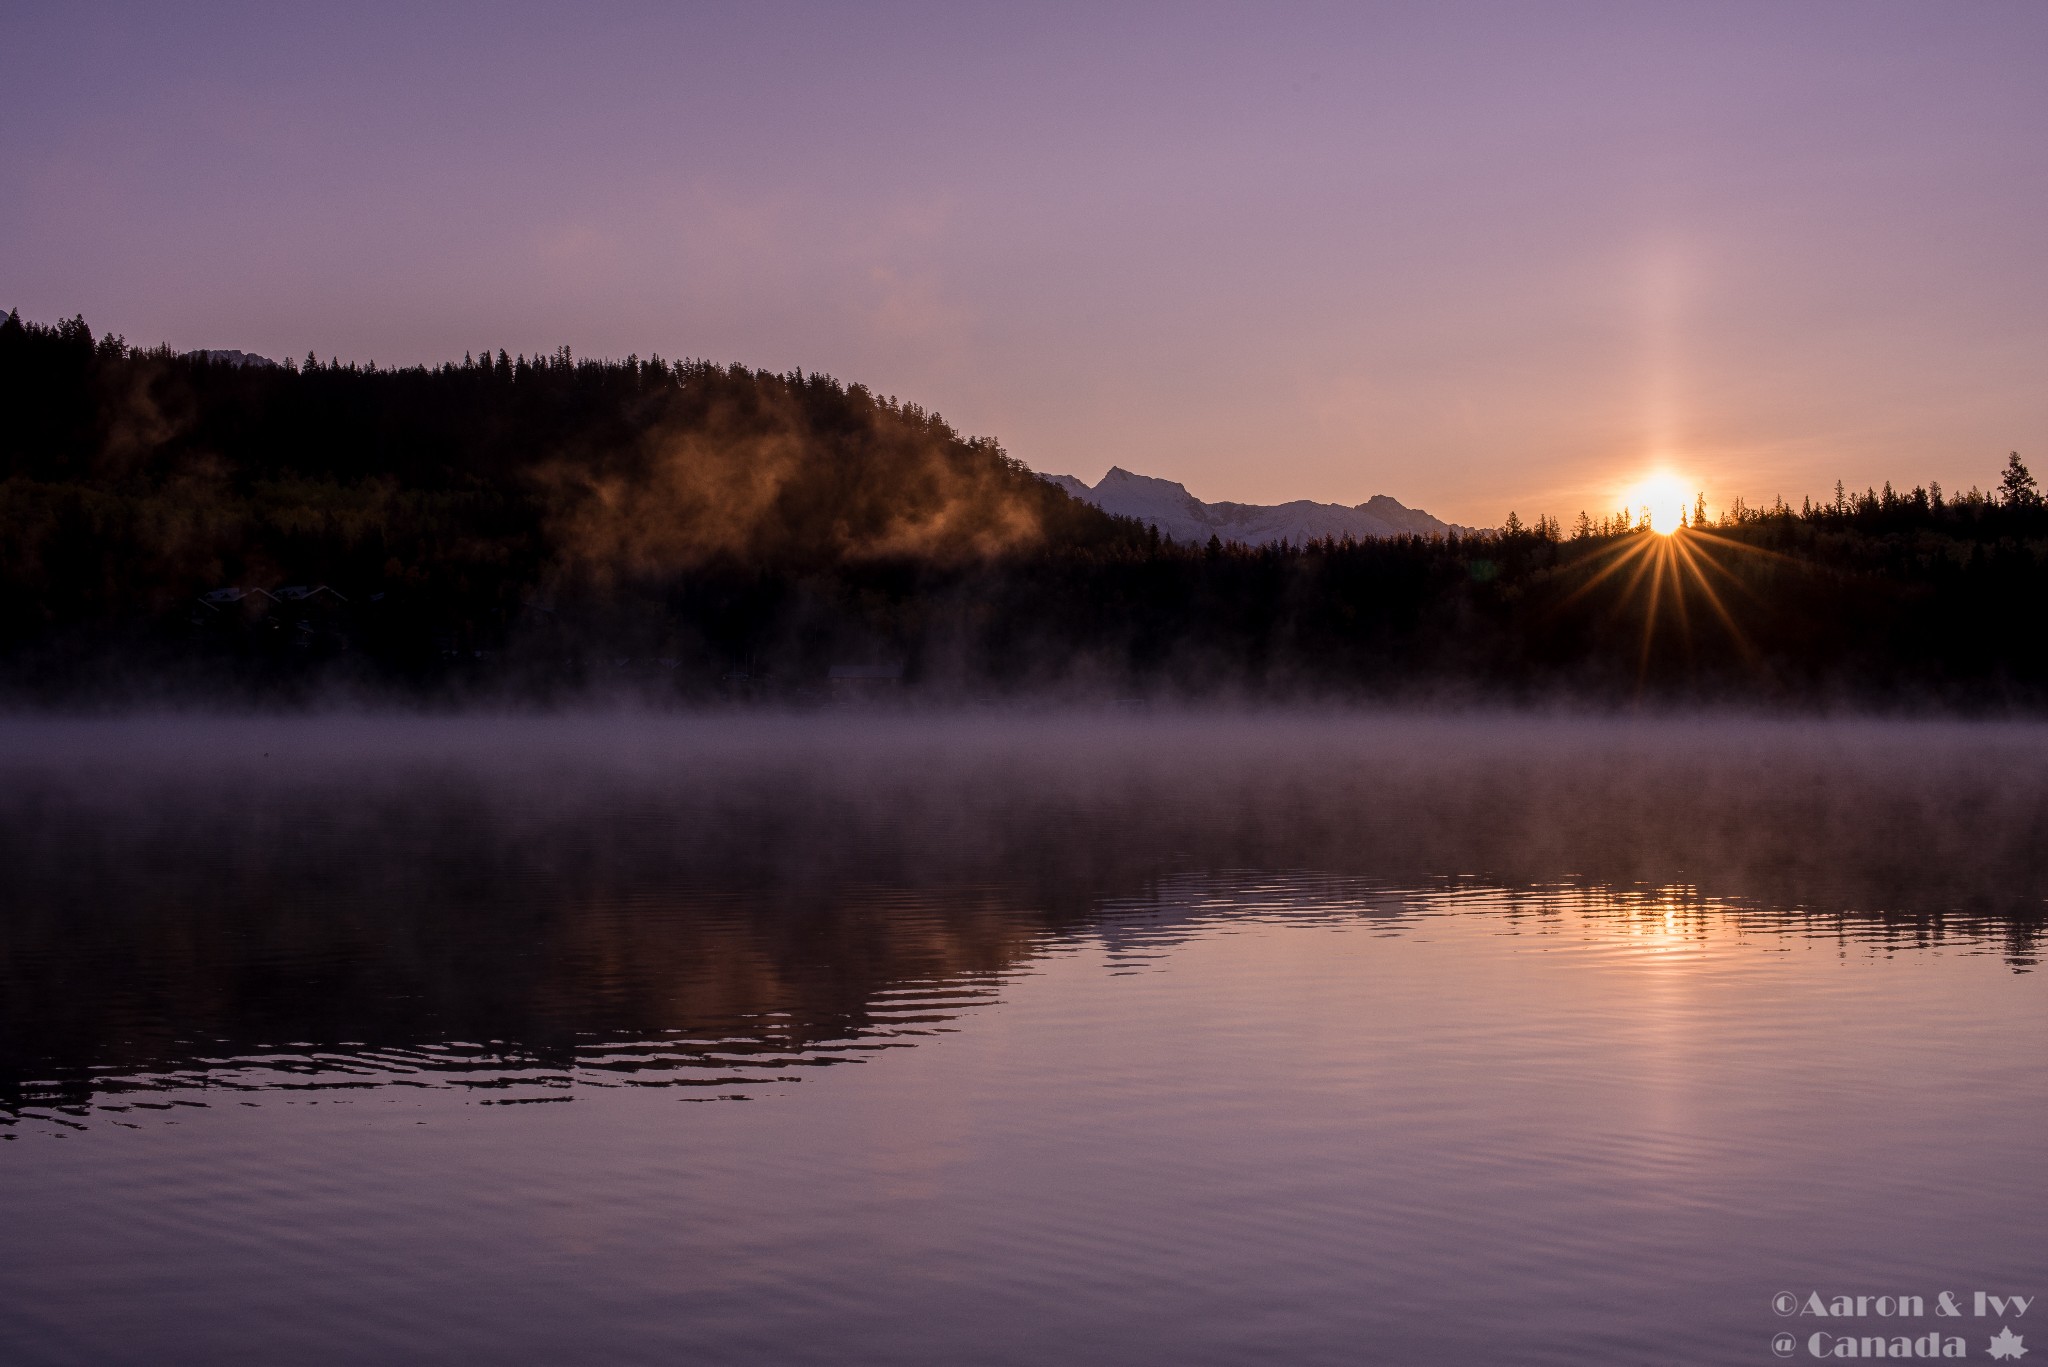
{"x":1477,"y":257}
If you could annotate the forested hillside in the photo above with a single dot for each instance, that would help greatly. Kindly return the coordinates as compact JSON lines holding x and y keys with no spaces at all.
{"x":536,"y":527}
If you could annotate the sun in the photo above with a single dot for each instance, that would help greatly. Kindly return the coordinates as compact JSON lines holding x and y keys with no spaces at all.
{"x":1665,"y":495}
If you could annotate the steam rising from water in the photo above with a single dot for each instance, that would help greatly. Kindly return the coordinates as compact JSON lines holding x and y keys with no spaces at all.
{"x":693,"y":896}
{"x":764,"y":485}
{"x":1918,"y":818}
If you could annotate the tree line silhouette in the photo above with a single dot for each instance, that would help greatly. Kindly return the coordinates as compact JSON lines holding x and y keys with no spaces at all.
{"x":539,"y":526}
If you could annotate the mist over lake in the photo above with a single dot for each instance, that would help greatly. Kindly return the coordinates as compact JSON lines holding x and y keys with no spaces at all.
{"x":835,"y":1037}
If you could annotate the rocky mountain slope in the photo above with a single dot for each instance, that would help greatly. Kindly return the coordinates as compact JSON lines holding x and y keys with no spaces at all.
{"x":1168,"y":505}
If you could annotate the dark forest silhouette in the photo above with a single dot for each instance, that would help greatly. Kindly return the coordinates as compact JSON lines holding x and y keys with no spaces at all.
{"x":535,"y":527}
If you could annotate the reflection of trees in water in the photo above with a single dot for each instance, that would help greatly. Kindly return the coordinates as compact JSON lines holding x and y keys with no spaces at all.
{"x":517,"y":970}
{"x":1180,"y":907}
{"x":1683,"y":912}
{"x":720,"y":910}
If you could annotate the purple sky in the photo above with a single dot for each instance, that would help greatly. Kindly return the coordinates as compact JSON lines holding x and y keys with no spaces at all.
{"x":1476,"y":257}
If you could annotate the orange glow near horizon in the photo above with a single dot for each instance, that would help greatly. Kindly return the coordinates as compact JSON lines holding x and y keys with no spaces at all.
{"x":1668,"y":579}
{"x":1667,"y":497}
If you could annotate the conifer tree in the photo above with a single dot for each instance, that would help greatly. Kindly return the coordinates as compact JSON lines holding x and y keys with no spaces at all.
{"x":2017,"y":488}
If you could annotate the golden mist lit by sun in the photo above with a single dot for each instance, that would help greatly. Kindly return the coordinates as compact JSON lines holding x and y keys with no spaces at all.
{"x":1666,"y":496}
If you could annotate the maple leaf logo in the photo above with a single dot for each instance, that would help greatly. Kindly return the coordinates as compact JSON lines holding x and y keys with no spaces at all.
{"x":2008,"y":1344}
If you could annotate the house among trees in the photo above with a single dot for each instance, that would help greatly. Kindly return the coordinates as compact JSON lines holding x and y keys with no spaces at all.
{"x":303,"y":615}
{"x":234,"y":610}
{"x":220,"y":598}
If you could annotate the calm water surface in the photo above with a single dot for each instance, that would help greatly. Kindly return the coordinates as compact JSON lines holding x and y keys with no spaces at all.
{"x":1012,"y":1040}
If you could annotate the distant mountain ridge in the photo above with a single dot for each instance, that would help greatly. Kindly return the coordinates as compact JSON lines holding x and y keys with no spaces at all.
{"x":1168,"y":505}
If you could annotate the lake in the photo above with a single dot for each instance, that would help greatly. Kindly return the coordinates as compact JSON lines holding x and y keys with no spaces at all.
{"x":1013,"y":1038}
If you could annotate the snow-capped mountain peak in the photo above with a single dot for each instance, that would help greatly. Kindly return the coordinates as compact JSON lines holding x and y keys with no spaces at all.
{"x":1167,"y":505}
